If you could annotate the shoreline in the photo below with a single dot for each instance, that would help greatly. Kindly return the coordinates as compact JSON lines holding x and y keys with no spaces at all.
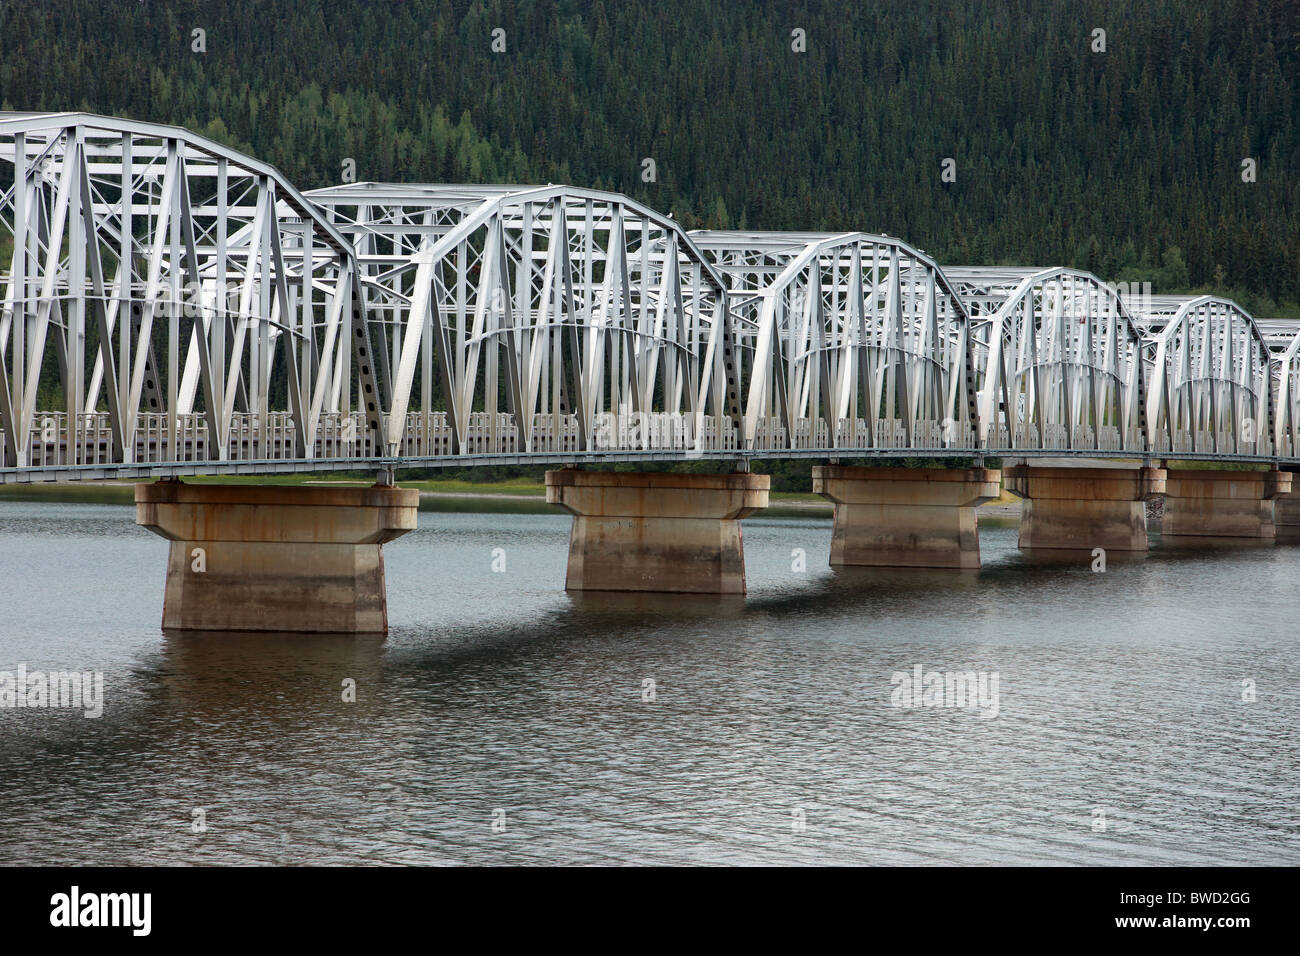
{"x":123,"y":491}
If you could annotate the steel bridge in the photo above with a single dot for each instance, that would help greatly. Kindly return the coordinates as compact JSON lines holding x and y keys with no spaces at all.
{"x":172,"y":307}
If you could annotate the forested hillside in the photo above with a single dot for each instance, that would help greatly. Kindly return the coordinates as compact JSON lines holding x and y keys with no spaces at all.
{"x":1127,"y":162}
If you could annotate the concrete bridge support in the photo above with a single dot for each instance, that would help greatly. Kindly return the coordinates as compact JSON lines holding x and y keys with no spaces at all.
{"x":275,"y":558}
{"x":906,"y":517}
{"x":1082,"y":508}
{"x":1286,"y":516}
{"x":656,"y":532}
{"x":1223,"y":504}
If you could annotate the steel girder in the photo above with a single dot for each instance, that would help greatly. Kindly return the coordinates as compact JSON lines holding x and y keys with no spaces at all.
{"x":860,"y":334}
{"x":1211,"y":382}
{"x":1059,"y":360}
{"x":167,"y":273}
{"x":580,"y":310}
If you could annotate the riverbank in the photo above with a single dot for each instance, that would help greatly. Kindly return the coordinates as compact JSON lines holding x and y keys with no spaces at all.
{"x":435,"y":495}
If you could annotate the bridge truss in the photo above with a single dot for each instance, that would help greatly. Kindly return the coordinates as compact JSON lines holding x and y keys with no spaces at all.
{"x":170,"y":306}
{"x":1059,"y":360}
{"x":154,"y":278}
{"x":1283,"y":339}
{"x":539,"y":320}
{"x":1211,"y":381}
{"x":850,"y":341}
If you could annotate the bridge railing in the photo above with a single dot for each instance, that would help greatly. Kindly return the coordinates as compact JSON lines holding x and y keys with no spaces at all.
{"x":49,"y":440}
{"x":1107,"y":438}
{"x":272,"y":437}
{"x":1221,"y":442}
{"x":269,"y":437}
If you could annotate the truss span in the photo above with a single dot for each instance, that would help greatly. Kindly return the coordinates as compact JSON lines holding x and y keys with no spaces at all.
{"x":540,"y":319}
{"x":849,"y":341}
{"x":154,"y":280}
{"x":1211,"y":381}
{"x":1058,"y":358}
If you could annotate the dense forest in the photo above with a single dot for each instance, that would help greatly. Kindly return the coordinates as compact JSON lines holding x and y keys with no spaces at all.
{"x":1126,"y":160}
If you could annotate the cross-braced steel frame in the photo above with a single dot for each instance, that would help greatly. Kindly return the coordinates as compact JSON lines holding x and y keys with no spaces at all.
{"x":591,"y":320}
{"x":1211,"y":384}
{"x":155,"y":277}
{"x":849,"y":341}
{"x":1283,"y":338}
{"x":171,"y":306}
{"x":1059,"y":360}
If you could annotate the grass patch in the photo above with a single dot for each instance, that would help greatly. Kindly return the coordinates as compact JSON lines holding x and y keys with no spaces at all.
{"x":1217,"y":465}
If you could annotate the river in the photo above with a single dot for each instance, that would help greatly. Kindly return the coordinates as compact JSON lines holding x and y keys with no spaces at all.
{"x":1146,"y":714}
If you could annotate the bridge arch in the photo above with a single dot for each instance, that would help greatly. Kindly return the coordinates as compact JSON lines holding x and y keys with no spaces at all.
{"x":184,"y":287}
{"x":1059,"y":359}
{"x":584,"y":312}
{"x":1211,"y":382}
{"x":850,"y":340}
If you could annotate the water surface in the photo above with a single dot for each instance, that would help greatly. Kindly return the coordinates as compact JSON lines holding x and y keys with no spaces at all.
{"x":770,"y":737}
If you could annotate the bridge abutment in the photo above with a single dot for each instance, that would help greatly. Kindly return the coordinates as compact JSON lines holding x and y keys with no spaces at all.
{"x":1223,"y":504}
{"x":656,"y":532}
{"x":1083,"y":508}
{"x":275,"y":558}
{"x":906,"y":517}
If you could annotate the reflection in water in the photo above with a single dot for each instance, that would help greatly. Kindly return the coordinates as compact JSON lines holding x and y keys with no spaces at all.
{"x":211,"y":674}
{"x":657,"y":728}
{"x":597,"y":606}
{"x":903,"y":581}
{"x":1066,"y":558}
{"x":1199,"y":543}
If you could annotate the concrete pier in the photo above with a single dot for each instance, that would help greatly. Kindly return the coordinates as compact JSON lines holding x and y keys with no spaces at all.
{"x":1082,"y":508}
{"x":1286,"y":516}
{"x":906,"y":517}
{"x":656,"y":532}
{"x":1223,"y":504}
{"x":275,"y":558}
